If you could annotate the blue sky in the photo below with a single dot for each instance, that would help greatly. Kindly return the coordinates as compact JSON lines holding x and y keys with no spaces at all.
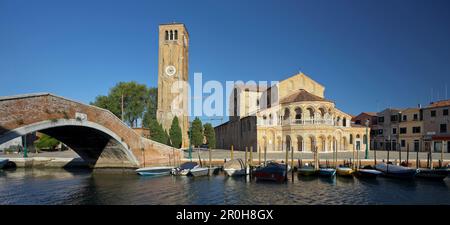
{"x":368,"y":54}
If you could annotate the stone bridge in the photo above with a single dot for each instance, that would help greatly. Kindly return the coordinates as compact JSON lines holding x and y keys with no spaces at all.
{"x":95,"y":134}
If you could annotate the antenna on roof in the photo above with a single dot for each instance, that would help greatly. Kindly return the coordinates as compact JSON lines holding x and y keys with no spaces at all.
{"x":446,"y":91}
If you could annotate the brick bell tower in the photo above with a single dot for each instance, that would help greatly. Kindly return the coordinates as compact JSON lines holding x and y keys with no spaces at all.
{"x":173,"y":77}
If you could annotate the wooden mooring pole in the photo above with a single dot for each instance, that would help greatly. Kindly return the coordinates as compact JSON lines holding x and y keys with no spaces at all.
{"x":287,"y":163}
{"x":245,"y":158}
{"x":292,"y":163}
{"x":210,"y":162}
{"x":231,"y":152}
{"x":407,"y":154}
{"x":259,"y":156}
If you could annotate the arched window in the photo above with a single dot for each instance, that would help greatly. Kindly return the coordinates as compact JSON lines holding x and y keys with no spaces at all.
{"x":344,"y":122}
{"x":298,"y":113}
{"x":176,"y":34}
{"x":270,"y":119}
{"x":171,"y":35}
{"x":351,"y":138}
{"x":286,"y":114}
{"x":167,"y":35}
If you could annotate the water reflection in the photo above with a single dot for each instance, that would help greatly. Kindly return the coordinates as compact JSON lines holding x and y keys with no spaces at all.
{"x":59,"y":186}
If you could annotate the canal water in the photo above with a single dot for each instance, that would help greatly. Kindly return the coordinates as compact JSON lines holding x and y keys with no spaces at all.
{"x":59,"y":186}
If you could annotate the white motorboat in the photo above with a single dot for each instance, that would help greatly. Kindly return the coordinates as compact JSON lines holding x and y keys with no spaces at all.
{"x":184,"y":168}
{"x":235,"y":167}
{"x":199,"y":171}
{"x":154,"y":171}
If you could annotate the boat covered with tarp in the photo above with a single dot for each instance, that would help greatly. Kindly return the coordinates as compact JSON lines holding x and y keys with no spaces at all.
{"x":395,"y":171}
{"x":271,"y":172}
{"x":184,"y":168}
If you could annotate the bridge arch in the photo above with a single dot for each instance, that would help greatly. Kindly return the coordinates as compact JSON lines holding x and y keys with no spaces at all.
{"x":97,"y":135}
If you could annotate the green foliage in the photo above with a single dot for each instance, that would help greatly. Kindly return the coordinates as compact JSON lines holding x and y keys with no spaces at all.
{"x":157,"y":132}
{"x":46,"y":142}
{"x":175,"y":133}
{"x":137,"y":101}
{"x":210,"y":135}
{"x":197,"y":132}
{"x":151,"y":107}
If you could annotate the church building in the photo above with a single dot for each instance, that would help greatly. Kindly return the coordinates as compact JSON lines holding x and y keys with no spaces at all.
{"x":293,"y":114}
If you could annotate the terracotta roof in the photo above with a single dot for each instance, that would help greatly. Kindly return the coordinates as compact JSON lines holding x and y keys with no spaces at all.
{"x":371,"y":113}
{"x":302,"y":95}
{"x":439,"y":103}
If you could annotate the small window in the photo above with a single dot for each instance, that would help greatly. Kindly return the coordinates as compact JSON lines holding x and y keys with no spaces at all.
{"x":404,"y":118}
{"x":358,"y":122}
{"x":445,"y":112}
{"x":394,"y":118}
{"x":433,"y":113}
{"x":167,"y":35}
{"x":176,"y":34}
{"x":403,"y":130}
{"x":381,"y":119}
{"x":416,"y":117}
{"x":403,"y":143}
{"x":416,"y":130}
{"x":443,"y":128}
{"x":394,"y":130}
{"x":380,"y":131}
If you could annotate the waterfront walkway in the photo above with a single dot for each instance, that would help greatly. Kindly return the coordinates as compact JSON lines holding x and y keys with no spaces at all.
{"x":70,"y":158}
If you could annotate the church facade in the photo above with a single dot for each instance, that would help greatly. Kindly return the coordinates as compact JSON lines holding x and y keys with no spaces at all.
{"x":293,"y":114}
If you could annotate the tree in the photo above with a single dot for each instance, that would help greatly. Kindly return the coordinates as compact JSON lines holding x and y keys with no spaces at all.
{"x":197,"y":132}
{"x":157,"y":132}
{"x":210,"y":135}
{"x":46,"y":142}
{"x":175,"y":133}
{"x":151,"y":107}
{"x":135,"y":101}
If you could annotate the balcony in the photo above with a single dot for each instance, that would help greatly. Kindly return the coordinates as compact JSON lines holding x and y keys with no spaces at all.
{"x":329,"y":122}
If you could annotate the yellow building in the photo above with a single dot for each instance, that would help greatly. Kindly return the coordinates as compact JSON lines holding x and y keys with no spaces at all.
{"x":293,"y":114}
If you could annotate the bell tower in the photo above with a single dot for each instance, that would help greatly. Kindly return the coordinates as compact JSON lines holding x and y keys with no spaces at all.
{"x":173,"y":77}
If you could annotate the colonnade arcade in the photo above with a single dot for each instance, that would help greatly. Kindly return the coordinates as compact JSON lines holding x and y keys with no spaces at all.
{"x":338,"y":140}
{"x":299,"y":114}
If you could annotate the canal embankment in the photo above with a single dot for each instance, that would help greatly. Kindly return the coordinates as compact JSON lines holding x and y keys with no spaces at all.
{"x":69,"y":159}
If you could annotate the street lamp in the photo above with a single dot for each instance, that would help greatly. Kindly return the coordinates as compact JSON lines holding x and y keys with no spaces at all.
{"x":367,"y":139}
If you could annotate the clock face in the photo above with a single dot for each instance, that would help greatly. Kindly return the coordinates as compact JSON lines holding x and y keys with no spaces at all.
{"x":170,"y":70}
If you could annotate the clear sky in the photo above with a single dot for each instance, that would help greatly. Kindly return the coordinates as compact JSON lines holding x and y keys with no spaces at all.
{"x":368,"y":54}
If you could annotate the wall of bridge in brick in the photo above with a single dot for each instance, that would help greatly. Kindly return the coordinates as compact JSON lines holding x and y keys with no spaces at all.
{"x":24,"y":112}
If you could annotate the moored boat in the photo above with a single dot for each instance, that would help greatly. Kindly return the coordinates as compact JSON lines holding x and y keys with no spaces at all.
{"x":369,"y":173}
{"x":344,"y":171}
{"x":184,"y":168}
{"x":235,"y":167}
{"x":154,"y":171}
{"x":199,"y":171}
{"x":327,"y":172}
{"x":306,"y":171}
{"x":435,"y":174}
{"x":272,"y":172}
{"x":390,"y":170}
{"x":3,"y":163}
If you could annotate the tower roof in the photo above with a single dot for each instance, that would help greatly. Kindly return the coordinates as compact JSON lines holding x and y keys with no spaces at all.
{"x":302,"y":95}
